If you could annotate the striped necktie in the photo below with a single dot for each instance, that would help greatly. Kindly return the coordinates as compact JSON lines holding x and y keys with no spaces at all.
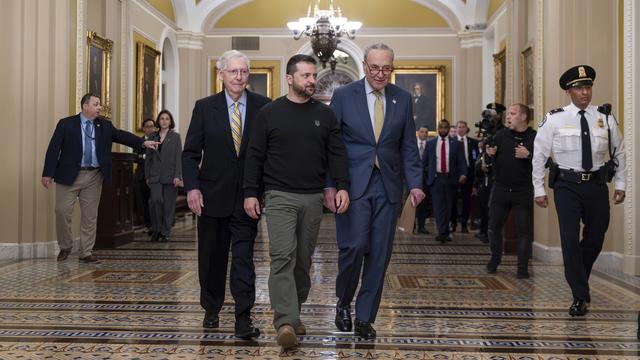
{"x":236,"y":127}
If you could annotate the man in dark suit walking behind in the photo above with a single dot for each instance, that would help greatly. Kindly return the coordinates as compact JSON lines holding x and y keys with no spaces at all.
{"x":78,"y":159}
{"x":216,"y":140}
{"x":445,"y":168}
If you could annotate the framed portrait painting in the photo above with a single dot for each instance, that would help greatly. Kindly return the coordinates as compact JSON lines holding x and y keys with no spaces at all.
{"x":526,"y":71}
{"x":426,"y":86}
{"x":147,"y":80}
{"x":500,"y":64}
{"x":99,"y":52}
{"x":260,"y":80}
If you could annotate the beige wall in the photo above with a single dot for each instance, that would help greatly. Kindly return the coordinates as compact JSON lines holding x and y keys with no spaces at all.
{"x":34,"y":90}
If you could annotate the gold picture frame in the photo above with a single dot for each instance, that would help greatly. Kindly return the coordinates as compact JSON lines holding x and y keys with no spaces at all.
{"x":526,"y":72}
{"x":500,"y":64}
{"x":432,"y":81}
{"x":260,"y":80}
{"x":147,"y":81}
{"x":99,"y":52}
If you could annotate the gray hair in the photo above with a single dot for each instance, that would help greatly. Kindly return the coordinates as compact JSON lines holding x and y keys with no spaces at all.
{"x":221,"y":64}
{"x":378,"y":46}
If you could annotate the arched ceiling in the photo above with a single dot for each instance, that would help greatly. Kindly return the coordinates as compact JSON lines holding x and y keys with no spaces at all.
{"x":165,"y":7}
{"x":200,"y":16}
{"x":399,"y":13}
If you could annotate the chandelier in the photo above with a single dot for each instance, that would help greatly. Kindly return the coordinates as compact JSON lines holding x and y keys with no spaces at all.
{"x":324,"y":30}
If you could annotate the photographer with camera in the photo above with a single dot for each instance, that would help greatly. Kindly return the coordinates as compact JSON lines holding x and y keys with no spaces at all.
{"x":491,"y":122}
{"x":580,"y":135}
{"x":511,"y":153}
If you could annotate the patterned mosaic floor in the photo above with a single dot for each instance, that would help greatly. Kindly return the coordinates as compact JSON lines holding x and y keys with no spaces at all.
{"x":141,"y":302}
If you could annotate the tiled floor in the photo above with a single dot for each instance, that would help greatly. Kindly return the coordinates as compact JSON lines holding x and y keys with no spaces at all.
{"x":141,"y":302}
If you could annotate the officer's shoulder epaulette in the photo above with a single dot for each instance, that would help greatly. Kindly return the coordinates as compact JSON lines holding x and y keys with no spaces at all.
{"x":554,"y":111}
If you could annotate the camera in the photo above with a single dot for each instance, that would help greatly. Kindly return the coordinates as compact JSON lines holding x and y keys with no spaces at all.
{"x":487,"y":126}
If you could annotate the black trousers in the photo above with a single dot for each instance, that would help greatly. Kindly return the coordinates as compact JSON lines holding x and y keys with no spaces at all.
{"x":587,"y":202}
{"x":501,"y":201}
{"x":423,"y":211}
{"x":483,"y":208}
{"x":142,"y":195}
{"x":443,"y":191}
{"x":215,"y":236}
{"x":461,"y":205}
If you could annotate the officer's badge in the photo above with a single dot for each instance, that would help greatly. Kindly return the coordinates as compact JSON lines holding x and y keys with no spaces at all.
{"x":316,"y":122}
{"x":600,"y":123}
{"x":581,"y":72}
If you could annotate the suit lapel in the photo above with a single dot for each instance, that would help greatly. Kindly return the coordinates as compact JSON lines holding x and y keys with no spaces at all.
{"x":361,"y":102}
{"x":250,"y":113}
{"x":221,"y":114}
{"x":390,"y":109}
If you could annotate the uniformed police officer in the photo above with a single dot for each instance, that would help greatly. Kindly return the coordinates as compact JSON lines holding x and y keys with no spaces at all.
{"x":580,"y":137}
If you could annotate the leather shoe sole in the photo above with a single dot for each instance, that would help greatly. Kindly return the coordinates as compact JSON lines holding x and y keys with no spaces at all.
{"x":287,"y":337}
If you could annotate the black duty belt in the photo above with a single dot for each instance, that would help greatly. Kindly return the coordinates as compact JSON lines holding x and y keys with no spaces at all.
{"x":89,"y":168}
{"x":578,"y":176}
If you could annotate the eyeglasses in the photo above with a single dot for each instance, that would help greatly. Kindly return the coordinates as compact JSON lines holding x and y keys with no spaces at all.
{"x":375,"y":69}
{"x":236,"y":72}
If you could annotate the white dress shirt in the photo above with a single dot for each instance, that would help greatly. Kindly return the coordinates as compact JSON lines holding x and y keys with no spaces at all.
{"x":438,"y":149}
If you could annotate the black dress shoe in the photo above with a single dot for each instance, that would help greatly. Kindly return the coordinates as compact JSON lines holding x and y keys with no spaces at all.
{"x":155,"y":237}
{"x":423,"y":231}
{"x":211,"y":320}
{"x":578,"y":308}
{"x":364,"y":330}
{"x":343,"y":318}
{"x":492,"y":268}
{"x":244,"y":328}
{"x":441,"y":238}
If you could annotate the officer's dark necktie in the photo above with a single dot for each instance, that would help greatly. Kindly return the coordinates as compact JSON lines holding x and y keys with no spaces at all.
{"x":88,"y":150}
{"x":587,"y":161}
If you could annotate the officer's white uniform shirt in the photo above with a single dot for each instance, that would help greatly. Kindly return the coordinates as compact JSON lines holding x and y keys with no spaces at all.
{"x":560,"y":133}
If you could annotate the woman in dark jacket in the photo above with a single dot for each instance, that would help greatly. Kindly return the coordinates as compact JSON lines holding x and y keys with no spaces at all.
{"x":163,"y":171}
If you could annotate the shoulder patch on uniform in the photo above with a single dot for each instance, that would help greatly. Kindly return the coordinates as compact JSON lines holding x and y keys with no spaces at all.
{"x":544,"y":120}
{"x":556,"y":111}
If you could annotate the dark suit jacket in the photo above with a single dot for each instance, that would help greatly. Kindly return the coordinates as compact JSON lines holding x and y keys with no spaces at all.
{"x":472,"y":154}
{"x":64,"y":154}
{"x":457,"y":164}
{"x":165,"y":165}
{"x":396,"y":148}
{"x":209,"y":145}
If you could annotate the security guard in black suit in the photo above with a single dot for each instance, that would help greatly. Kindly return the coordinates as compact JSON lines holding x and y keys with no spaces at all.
{"x":581,"y":136}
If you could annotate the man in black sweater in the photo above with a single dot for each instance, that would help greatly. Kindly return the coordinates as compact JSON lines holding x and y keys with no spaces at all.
{"x":296,"y":143}
{"x":512,"y":188}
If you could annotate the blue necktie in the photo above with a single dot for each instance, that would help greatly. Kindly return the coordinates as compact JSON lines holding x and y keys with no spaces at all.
{"x":88,"y":149}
